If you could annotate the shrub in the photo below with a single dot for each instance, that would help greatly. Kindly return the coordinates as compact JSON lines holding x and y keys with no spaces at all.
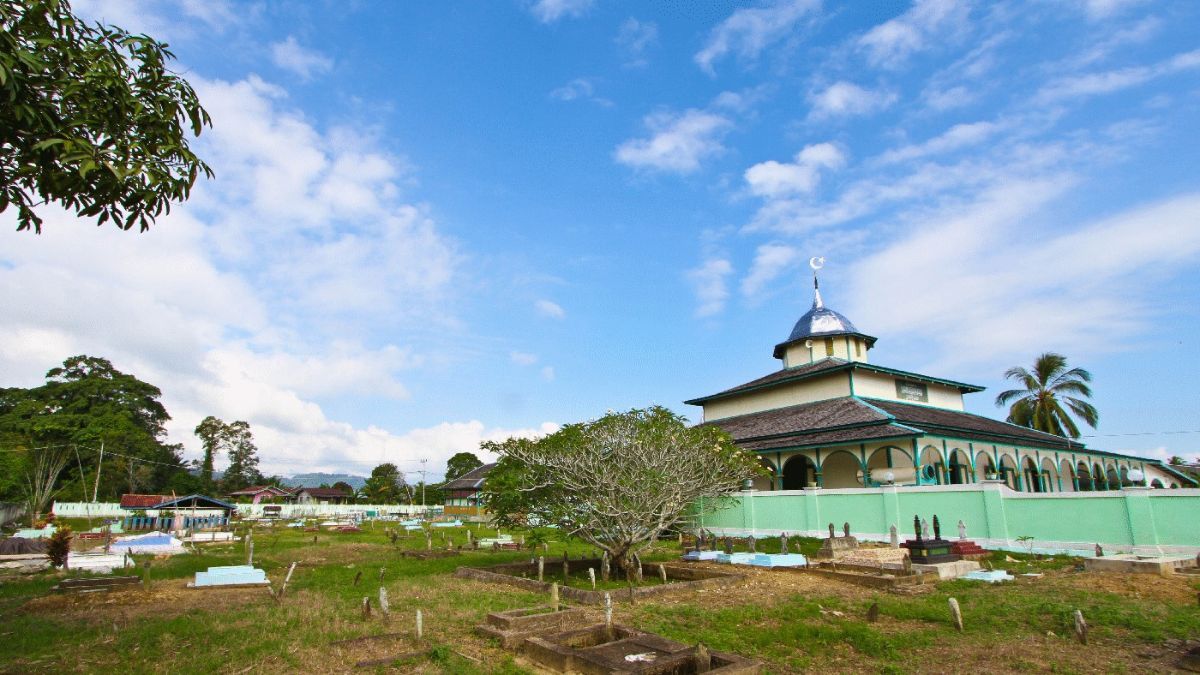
{"x":59,"y":546}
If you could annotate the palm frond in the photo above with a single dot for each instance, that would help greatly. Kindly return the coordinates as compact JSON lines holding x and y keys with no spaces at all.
{"x":1084,"y":410}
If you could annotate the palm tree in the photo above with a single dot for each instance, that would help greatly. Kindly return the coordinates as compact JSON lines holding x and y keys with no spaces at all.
{"x":1051,"y":385}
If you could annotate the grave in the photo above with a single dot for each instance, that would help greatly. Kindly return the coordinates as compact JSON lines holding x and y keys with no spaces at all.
{"x":778,"y":560}
{"x":513,"y":626}
{"x":990,"y":576}
{"x":736,"y":558}
{"x":603,"y":649}
{"x":966,"y":548}
{"x":524,"y":575}
{"x":834,"y":547}
{"x":1141,"y":564}
{"x":97,"y":585}
{"x":695,"y":555}
{"x":925,"y":550}
{"x":230,"y":575}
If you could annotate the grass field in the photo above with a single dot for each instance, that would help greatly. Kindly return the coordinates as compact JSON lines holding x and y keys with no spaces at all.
{"x":791,"y":621}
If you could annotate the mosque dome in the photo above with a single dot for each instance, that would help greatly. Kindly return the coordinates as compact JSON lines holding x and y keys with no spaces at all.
{"x":822,"y":322}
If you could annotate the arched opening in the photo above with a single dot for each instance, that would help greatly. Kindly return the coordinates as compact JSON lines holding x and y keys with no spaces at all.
{"x":1156,"y":483}
{"x":767,"y":482}
{"x":1099,"y":479}
{"x":841,"y":470}
{"x":958,"y":471}
{"x":984,"y":467}
{"x":1009,"y":472}
{"x":799,"y":472}
{"x":1032,"y":476}
{"x":1050,"y":476}
{"x":1067,"y":478}
{"x":1125,"y":482}
{"x":933,"y":466}
{"x":1084,"y":474}
{"x":1114,"y":480}
{"x":893,"y":460}
{"x":1174,"y":486}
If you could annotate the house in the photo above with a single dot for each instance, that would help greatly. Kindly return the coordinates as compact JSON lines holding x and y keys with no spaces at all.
{"x":321,"y":495}
{"x":828,"y":418}
{"x":462,"y":493}
{"x":262,"y":493}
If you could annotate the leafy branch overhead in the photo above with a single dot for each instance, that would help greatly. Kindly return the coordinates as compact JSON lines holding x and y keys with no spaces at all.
{"x":91,"y":119}
{"x":616,"y":482}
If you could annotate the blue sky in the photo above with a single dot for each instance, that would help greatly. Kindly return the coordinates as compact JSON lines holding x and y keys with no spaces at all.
{"x":439,"y":223}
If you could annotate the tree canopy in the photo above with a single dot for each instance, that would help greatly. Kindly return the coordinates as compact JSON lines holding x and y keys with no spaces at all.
{"x":85,"y":405}
{"x":616,"y":482}
{"x":1048,"y":392}
{"x":91,"y":119}
{"x":385,"y":485}
{"x":460,"y":464}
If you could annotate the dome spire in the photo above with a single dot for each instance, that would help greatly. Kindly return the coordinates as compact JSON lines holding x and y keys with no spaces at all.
{"x":816,"y":263}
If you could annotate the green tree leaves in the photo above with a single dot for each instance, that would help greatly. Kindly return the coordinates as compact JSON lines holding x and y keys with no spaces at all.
{"x":1049,"y":391}
{"x":461,"y":463}
{"x":92,"y":119}
{"x":385,"y":485}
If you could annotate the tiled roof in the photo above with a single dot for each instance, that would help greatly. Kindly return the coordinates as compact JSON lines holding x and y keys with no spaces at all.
{"x":851,"y":419}
{"x":830,"y":437}
{"x":255,"y":489}
{"x":974,"y":426}
{"x":324,"y":493}
{"x":129,"y":501}
{"x":829,"y":365}
{"x":471,"y":480}
{"x":834,"y":412}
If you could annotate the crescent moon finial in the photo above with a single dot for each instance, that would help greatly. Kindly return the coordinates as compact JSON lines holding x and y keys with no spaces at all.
{"x":816,"y":262}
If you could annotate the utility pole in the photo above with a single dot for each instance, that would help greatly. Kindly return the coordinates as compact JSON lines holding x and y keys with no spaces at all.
{"x":423,"y":481}
{"x":96,"y":489}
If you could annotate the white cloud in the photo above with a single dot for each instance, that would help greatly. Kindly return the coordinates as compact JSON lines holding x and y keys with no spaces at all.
{"x":241,"y":298}
{"x":956,"y":137}
{"x":290,"y":56}
{"x":580,"y":88}
{"x":750,"y":30}
{"x":843,"y":99}
{"x":928,"y":22}
{"x":549,"y":309}
{"x":1107,"y":82}
{"x":523,"y":358}
{"x":677,"y":142}
{"x":634,"y":38}
{"x":709,"y":282}
{"x":774,"y":179}
{"x":770,"y":260}
{"x":981,"y":287}
{"x":549,"y":11}
{"x":1103,"y":9}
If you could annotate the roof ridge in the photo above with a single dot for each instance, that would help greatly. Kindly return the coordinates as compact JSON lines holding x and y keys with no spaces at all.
{"x":877,"y":409}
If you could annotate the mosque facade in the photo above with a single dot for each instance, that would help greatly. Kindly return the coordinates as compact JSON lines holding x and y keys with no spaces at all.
{"x":829,"y":418}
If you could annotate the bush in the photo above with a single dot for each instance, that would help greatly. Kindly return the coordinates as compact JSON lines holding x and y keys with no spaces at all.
{"x":59,"y":546}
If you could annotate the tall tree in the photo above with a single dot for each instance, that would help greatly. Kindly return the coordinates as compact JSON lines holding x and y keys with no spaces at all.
{"x":1047,"y":393}
{"x":91,"y":119}
{"x":213,"y":434}
{"x":461,"y":463}
{"x":385,"y":485}
{"x":616,"y":482}
{"x":87,"y":404}
{"x":243,"y":458}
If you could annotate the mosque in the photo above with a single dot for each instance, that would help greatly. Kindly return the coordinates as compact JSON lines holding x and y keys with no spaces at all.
{"x":831,"y":419}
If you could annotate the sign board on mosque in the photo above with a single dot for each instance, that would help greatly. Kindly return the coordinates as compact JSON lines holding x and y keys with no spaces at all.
{"x":912,"y":391}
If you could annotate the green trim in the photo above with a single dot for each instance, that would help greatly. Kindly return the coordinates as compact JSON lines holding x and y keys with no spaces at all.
{"x":810,"y":446}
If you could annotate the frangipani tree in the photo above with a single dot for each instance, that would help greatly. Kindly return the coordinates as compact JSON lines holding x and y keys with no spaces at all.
{"x":616,"y":482}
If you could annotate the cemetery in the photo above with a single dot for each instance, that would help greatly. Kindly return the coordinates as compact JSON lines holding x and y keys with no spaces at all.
{"x":281,"y":597}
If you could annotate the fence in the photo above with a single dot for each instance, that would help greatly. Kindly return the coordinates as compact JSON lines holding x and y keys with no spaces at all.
{"x":10,"y":512}
{"x":173,"y":522}
{"x":113,"y":509}
{"x":1139,"y":520}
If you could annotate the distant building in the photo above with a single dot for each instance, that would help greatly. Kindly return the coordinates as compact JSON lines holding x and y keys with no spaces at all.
{"x":830,"y":419}
{"x":262,"y":493}
{"x":321,"y":495}
{"x":462,"y":493}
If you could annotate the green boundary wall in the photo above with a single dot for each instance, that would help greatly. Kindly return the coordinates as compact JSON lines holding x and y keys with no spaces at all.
{"x":1135,"y":519}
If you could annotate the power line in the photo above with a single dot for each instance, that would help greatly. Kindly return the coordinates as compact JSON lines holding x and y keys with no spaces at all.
{"x":1143,"y":433}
